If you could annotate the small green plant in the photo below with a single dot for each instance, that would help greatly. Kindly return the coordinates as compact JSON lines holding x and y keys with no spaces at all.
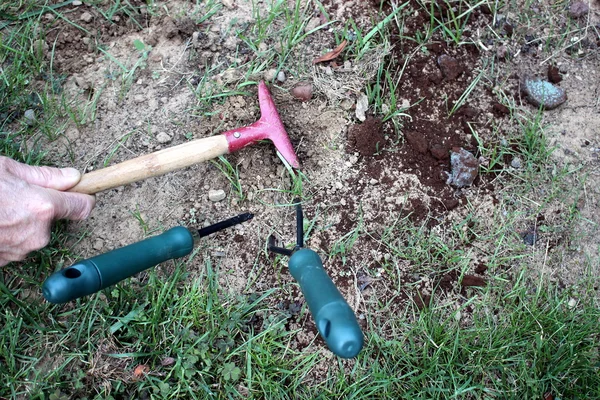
{"x":232,"y":174}
{"x":128,"y":73}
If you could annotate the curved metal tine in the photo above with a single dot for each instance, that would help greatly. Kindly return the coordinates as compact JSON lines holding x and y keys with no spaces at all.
{"x":279,"y":250}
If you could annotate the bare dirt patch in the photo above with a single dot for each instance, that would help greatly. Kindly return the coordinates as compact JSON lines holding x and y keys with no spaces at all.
{"x":361,"y":177}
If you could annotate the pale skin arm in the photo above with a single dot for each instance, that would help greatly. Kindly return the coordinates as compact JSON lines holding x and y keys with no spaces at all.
{"x":31,"y":199}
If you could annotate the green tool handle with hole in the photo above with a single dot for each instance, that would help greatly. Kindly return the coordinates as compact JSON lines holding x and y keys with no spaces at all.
{"x":333,"y":317}
{"x":94,"y":274}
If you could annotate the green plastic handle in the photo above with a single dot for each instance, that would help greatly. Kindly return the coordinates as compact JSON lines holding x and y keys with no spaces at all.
{"x":96,"y":273}
{"x":333,"y":316}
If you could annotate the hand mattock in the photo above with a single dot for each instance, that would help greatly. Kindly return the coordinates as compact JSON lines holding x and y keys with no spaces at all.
{"x":269,"y":126}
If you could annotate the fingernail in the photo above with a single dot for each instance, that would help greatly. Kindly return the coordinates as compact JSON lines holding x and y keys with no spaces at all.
{"x":71,"y":173}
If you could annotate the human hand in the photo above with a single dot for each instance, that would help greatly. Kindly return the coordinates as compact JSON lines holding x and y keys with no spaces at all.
{"x":31,"y":198}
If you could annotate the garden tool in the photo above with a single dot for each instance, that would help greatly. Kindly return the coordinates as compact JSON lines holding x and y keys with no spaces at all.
{"x":333,"y":317}
{"x":269,"y":126}
{"x":99,"y":272}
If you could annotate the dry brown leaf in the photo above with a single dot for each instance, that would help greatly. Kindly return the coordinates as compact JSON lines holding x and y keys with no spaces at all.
{"x":332,"y":54}
{"x":140,"y":371}
{"x":548,"y":396}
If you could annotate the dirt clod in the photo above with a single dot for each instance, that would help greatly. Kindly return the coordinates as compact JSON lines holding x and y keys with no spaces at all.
{"x":554,"y":75}
{"x":450,"y":67}
{"x":367,"y":138}
{"x":417,"y":141}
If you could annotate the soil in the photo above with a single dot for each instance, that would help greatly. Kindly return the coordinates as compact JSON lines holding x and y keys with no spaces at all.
{"x":361,"y":178}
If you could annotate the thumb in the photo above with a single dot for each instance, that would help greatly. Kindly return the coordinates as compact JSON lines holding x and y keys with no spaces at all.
{"x":73,"y":206}
{"x":48,"y":177}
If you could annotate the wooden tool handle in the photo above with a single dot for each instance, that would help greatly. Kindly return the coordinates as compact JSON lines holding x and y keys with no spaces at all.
{"x":154,"y":164}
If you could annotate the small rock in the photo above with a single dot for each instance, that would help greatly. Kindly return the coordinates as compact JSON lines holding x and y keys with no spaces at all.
{"x":373,"y":181}
{"x":29,"y":117}
{"x":302,"y":91}
{"x":312,"y":24}
{"x":270,"y":75}
{"x":98,"y":244}
{"x":540,"y":92}
{"x":347,"y":65}
{"x":465,"y":168}
{"x":450,"y":67}
{"x":516,"y":163}
{"x":281,"y":76}
{"x":163,"y":137}
{"x":86,"y":17}
{"x":76,"y":3}
{"x":502,"y":52}
{"x":554,"y":75}
{"x":139,"y":98}
{"x":82,"y":83}
{"x":578,"y":9}
{"x":228,"y":3}
{"x":165,"y":362}
{"x":216,"y":195}
{"x":328,"y":71}
{"x":439,"y":151}
{"x":572,"y":303}
{"x":530,"y":237}
{"x":231,"y":75}
{"x":362,"y":105}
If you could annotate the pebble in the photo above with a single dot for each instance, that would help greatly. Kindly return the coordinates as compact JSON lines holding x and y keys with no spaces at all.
{"x":516,"y":163}
{"x":139,"y":98}
{"x":312,"y":24}
{"x":228,"y":3}
{"x":281,"y":76}
{"x":465,"y":168}
{"x":302,"y":91}
{"x":449,"y":66}
{"x":98,"y":244}
{"x":86,"y":17}
{"x":578,"y":9}
{"x":270,"y":75}
{"x":572,"y":303}
{"x":216,"y":195}
{"x":362,"y":105}
{"x":163,"y":138}
{"x":76,"y":3}
{"x":29,"y":117}
{"x":540,"y":92}
{"x":373,"y":181}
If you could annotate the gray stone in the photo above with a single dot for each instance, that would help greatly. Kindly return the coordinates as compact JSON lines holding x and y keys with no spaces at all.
{"x":29,"y":117}
{"x":281,"y":76}
{"x":362,"y":105}
{"x":216,"y":195}
{"x":86,"y":17}
{"x":516,"y":163}
{"x":163,"y":137}
{"x":543,"y":93}
{"x":77,"y":3}
{"x":270,"y":75}
{"x":578,"y":9}
{"x":465,"y":168}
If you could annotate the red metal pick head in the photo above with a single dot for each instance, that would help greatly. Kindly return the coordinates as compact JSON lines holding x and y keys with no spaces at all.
{"x":269,"y":126}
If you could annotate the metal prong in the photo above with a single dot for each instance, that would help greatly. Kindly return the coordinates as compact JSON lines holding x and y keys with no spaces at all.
{"x":279,"y":250}
{"x":299,"y":224}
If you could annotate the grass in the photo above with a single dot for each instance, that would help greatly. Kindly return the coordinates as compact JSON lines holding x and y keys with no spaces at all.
{"x":177,"y":332}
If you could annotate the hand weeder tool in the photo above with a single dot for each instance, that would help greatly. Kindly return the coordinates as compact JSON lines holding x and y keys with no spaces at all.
{"x":96,"y":273}
{"x":333,"y":317}
{"x":269,"y":126}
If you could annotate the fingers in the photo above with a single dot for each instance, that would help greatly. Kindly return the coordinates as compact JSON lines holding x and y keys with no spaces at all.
{"x":73,"y":206}
{"x":48,"y":177}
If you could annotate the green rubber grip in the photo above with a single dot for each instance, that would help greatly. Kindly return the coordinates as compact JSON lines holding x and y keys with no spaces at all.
{"x":96,"y":273}
{"x":333,"y":317}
